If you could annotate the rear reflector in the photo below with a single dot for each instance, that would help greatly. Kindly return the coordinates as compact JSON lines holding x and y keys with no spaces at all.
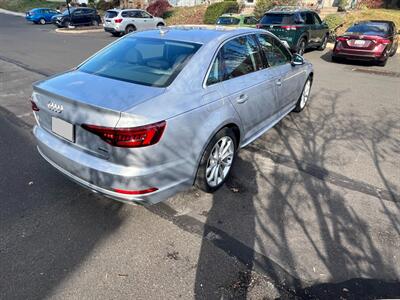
{"x":289,"y":27}
{"x":118,"y":20}
{"x":34,"y":106}
{"x":382,"y":41}
{"x":141,"y":192}
{"x":129,"y":137}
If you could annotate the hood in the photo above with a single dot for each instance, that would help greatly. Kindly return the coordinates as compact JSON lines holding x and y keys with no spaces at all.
{"x":98,"y":91}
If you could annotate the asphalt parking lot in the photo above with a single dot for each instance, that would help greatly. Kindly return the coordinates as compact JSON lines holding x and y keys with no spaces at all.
{"x":312,"y":209}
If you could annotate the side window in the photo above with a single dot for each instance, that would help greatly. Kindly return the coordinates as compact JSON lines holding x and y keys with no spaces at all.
{"x":274,"y":51}
{"x":125,"y":14}
{"x":239,"y":56}
{"x":144,"y":15}
{"x":317,"y":20}
{"x":309,"y":19}
{"x":250,"y":20}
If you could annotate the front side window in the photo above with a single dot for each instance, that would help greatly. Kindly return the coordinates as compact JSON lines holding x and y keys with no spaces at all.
{"x":309,"y":19}
{"x":275,"y":53}
{"x":317,"y":20}
{"x":144,"y":14}
{"x":145,"y":61}
{"x":238,"y":57}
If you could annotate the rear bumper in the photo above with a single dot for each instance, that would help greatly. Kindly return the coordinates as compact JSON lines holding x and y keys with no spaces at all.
{"x":359,"y":54}
{"x":111,"y":30}
{"x":102,"y":176}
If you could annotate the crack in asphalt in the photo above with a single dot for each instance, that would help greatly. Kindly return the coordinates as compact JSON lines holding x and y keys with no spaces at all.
{"x":24,"y":66}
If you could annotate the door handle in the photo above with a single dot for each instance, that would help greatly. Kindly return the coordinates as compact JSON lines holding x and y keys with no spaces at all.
{"x":279,"y":82}
{"x":242,"y":99}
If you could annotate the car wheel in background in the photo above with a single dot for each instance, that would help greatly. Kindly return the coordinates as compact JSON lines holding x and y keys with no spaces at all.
{"x":393,"y":50}
{"x":160,"y":24}
{"x":304,"y":97}
{"x":301,"y":47}
{"x":217,"y":161}
{"x":42,"y":21}
{"x":129,"y":29}
{"x":95,"y":23}
{"x":323,"y":44}
{"x":66,"y":24}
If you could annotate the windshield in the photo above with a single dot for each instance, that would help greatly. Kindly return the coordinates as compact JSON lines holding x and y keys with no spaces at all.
{"x":146,"y":61}
{"x":278,"y":19}
{"x":111,"y":14}
{"x":369,"y":28}
{"x":227,"y":21}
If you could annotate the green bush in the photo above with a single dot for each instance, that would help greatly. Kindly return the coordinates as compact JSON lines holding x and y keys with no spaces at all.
{"x":215,"y":10}
{"x":105,"y":5}
{"x":333,"y":20}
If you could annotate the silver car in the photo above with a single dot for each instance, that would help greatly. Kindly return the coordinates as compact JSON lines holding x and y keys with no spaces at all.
{"x":158,"y":111}
{"x":117,"y":21}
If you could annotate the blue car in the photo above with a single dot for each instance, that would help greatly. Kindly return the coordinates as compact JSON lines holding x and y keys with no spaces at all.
{"x":40,"y":15}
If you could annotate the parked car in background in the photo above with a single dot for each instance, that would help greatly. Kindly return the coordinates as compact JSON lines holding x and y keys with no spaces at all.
{"x":40,"y":15}
{"x":238,"y":20}
{"x":367,"y":40}
{"x":79,"y":16}
{"x":117,"y":21}
{"x":301,"y":28}
{"x":142,"y":119}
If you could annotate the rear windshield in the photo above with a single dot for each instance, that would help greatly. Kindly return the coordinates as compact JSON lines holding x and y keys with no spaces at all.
{"x":227,"y":21}
{"x":278,"y":19}
{"x":111,"y":14}
{"x":146,"y":61}
{"x":369,"y":28}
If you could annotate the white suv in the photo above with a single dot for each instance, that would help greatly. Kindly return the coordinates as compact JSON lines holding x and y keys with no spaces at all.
{"x":117,"y":21}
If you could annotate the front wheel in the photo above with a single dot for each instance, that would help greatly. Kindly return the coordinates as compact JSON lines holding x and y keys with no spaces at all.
{"x":42,"y":21}
{"x":95,"y":23}
{"x":217,"y":161}
{"x":305,"y":95}
{"x":301,"y":48}
{"x":323,"y":44}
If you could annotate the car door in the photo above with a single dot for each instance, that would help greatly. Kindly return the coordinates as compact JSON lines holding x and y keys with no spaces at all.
{"x":311,"y":28}
{"x":288,"y":79}
{"x":135,"y":18}
{"x":77,"y":17}
{"x":148,"y":20}
{"x":319,"y":29}
{"x":246,"y":82}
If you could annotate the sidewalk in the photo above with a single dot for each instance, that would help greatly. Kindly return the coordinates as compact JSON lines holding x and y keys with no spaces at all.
{"x":13,"y":13}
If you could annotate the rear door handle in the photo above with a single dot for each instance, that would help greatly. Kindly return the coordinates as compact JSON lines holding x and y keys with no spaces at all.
{"x":242,"y":99}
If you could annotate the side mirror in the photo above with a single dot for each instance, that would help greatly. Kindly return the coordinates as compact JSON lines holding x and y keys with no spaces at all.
{"x":297,"y":60}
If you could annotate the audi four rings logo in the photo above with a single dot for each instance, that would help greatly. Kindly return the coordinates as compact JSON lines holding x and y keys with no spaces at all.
{"x":58,"y":108}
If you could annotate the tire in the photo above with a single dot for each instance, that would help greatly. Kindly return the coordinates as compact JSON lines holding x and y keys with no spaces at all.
{"x":160,"y":24}
{"x":95,"y":23}
{"x":304,"y":97}
{"x":301,"y":46}
{"x":42,"y":21}
{"x":323,"y":44}
{"x":129,"y":29}
{"x":209,"y":178}
{"x":66,"y":24}
{"x":394,"y":50}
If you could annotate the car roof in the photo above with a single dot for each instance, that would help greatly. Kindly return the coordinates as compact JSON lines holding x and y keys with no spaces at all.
{"x":197,"y":34}
{"x":288,"y":9}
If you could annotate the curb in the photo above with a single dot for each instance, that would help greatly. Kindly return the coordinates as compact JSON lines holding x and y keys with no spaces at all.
{"x":13,"y":13}
{"x":61,"y":30}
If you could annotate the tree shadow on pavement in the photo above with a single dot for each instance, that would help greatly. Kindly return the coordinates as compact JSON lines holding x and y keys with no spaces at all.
{"x":49,"y":225}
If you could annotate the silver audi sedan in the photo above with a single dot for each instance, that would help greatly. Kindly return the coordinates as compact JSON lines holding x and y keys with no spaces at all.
{"x":158,"y":111}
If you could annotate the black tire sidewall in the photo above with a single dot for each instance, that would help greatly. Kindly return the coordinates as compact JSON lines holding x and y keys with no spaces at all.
{"x":201,"y":181}
{"x":128,"y":27}
{"x":301,"y":41}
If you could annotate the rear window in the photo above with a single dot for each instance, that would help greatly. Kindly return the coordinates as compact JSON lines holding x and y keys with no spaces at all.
{"x":369,"y":28}
{"x":111,"y":14}
{"x":278,"y":19}
{"x":145,"y":61}
{"x":227,"y":21}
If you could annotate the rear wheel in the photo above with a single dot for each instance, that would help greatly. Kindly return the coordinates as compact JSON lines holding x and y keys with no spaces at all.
{"x":323,"y":44}
{"x":95,"y":23}
{"x":42,"y":21}
{"x":305,"y":95}
{"x":160,"y":24}
{"x":394,"y":50}
{"x":301,"y":47}
{"x":217,"y":161}
{"x":129,"y":29}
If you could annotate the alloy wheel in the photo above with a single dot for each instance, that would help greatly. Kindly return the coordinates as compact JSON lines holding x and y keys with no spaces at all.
{"x":220,"y":161}
{"x":305,"y":95}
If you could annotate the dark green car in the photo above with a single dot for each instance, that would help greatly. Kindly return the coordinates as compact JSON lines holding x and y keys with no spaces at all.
{"x":300,"y":28}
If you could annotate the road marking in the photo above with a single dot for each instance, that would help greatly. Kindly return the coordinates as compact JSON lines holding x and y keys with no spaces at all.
{"x":24,"y":115}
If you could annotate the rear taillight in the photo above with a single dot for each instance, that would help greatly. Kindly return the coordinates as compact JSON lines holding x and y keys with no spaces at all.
{"x":289,"y":27}
{"x":129,"y":137}
{"x":118,"y":20}
{"x":34,"y":106}
{"x":258,"y":26}
{"x":341,"y":39}
{"x":382,"y":41}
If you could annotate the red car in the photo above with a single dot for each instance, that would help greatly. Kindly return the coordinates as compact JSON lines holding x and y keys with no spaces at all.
{"x":368,"y":41}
